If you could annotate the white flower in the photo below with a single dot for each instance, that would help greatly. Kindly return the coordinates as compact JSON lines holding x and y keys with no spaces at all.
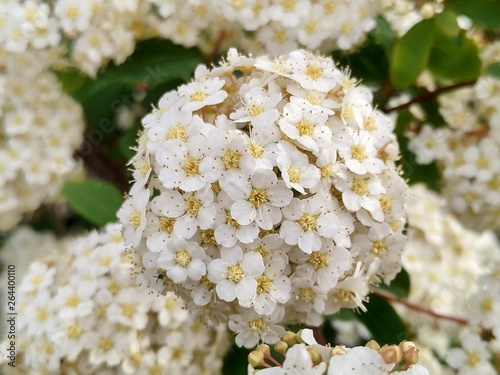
{"x":133,"y":212}
{"x":182,"y":259}
{"x":202,"y":94}
{"x":235,"y":274}
{"x":258,"y":198}
{"x":472,"y":358}
{"x":305,"y":124}
{"x":295,"y":168}
{"x":259,"y":108}
{"x":359,"y":360}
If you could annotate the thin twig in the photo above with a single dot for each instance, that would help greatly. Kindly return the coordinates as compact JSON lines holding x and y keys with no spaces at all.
{"x":393,"y":298}
{"x":218,"y":43}
{"x":429,"y":95}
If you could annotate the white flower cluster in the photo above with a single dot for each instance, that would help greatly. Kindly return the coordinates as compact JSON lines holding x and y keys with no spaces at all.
{"x":266,"y":192}
{"x":467,"y":152}
{"x":81,"y":313}
{"x":304,"y":356}
{"x":454,"y":272}
{"x":101,"y":31}
{"x":40,"y":129}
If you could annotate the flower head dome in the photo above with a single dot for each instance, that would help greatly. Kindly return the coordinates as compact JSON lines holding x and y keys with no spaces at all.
{"x":266,"y":192}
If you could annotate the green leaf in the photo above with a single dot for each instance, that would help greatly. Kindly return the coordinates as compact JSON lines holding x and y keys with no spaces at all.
{"x":493,"y":70}
{"x":484,"y":13}
{"x":454,"y":58}
{"x":96,"y":201}
{"x":447,"y":23}
{"x":383,"y":322}
{"x":411,"y":53}
{"x":384,"y":35}
{"x":236,"y":361}
{"x":156,"y":61}
{"x":400,"y":286}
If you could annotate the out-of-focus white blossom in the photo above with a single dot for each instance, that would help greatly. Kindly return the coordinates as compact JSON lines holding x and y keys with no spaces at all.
{"x":271,"y":196}
{"x":454,"y":273}
{"x":40,"y":129}
{"x":80,"y":312}
{"x":100,"y":32}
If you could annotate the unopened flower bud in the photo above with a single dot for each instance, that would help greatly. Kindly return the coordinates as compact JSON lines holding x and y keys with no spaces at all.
{"x":372,"y":344}
{"x":338,"y":350}
{"x":315,"y":356}
{"x":256,"y":358}
{"x":281,"y":347}
{"x":289,"y":338}
{"x":263,"y":348}
{"x":298,"y":337}
{"x":410,"y":352}
{"x":391,"y":353}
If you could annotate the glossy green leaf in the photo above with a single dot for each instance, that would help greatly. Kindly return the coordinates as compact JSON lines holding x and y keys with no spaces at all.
{"x":447,"y":23}
{"x":484,"y":13}
{"x":400,"y":286}
{"x":411,"y":54}
{"x":156,"y":61}
{"x":454,"y":58}
{"x":383,"y":322}
{"x":96,"y":201}
{"x":493,"y":70}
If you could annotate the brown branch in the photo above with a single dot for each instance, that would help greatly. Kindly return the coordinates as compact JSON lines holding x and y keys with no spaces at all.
{"x":393,"y":298}
{"x":429,"y":95}
{"x":216,"y":49}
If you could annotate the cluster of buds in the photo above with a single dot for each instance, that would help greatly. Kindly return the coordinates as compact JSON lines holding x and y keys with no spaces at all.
{"x":266,"y":192}
{"x":300,"y":352}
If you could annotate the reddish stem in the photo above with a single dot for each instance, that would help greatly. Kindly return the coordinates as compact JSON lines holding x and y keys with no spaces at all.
{"x":392,"y":298}
{"x":218,"y":43}
{"x":429,"y":95}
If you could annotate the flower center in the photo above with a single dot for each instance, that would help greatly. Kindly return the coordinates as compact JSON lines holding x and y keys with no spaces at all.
{"x":231,"y":159}
{"x":307,"y":294}
{"x":257,"y":325}
{"x":74,"y":331}
{"x":378,"y":247}
{"x":191,"y":166}
{"x":318,"y":260}
{"x":106,"y":344}
{"x":235,"y":273}
{"x":263,"y":284}
{"x":182,"y":258}
{"x":198,"y":96}
{"x":307,"y":222}
{"x":369,"y":124}
{"x":472,"y":359}
{"x":294,"y":175}
{"x":258,"y":197}
{"x":177,"y":132}
{"x":315,"y":72}
{"x":385,"y":203}
{"x":208,"y":238}
{"x":42,"y":314}
{"x":360,"y":187}
{"x":487,"y":304}
{"x":135,"y":219}
{"x":73,"y":301}
{"x":167,"y":224}
{"x":193,"y":205}
{"x":255,"y":149}
{"x":358,"y":152}
{"x":305,"y":127}
{"x":255,"y":109}
{"x":288,"y":5}
{"x":128,"y":310}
